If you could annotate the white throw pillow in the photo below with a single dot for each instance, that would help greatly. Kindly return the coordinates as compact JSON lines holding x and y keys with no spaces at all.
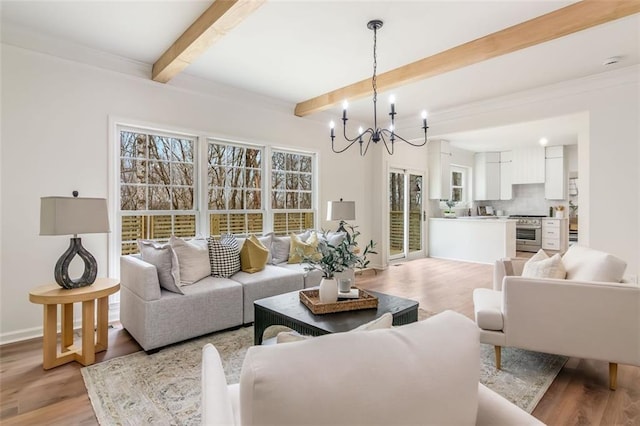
{"x":385,"y":321}
{"x":193,"y":258}
{"x":543,"y":266}
{"x":586,"y":264}
{"x":165,"y":260}
{"x":280,"y":249}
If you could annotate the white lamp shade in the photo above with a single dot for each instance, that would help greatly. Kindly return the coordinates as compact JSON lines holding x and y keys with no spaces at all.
{"x":72,"y":215}
{"x":341,"y":210}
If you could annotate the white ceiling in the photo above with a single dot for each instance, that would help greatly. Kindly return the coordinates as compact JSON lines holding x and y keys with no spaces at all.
{"x":295,"y":50}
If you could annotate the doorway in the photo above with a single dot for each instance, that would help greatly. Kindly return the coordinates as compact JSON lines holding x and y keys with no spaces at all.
{"x":406,"y":214}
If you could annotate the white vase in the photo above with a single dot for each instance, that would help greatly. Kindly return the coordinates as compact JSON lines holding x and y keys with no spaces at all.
{"x":328,"y":290}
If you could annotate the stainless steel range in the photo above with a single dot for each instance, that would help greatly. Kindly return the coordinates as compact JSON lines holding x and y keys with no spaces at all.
{"x":528,"y":232}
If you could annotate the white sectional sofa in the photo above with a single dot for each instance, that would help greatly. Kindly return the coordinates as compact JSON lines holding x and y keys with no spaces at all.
{"x":156,"y":317}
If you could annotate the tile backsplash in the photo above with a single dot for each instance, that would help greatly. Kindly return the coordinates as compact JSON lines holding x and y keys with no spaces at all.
{"x":527,"y":199}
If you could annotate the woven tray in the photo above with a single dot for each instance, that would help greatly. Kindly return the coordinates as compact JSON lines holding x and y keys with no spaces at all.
{"x":311,"y":299}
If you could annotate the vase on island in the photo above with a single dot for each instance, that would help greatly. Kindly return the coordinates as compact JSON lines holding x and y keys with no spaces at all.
{"x":328,"y":290}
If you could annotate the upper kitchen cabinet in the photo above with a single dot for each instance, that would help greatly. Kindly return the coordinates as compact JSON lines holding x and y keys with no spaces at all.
{"x":439,"y":170}
{"x":506,"y":175}
{"x":555,"y":182}
{"x":528,"y":165}
{"x":486,"y":176}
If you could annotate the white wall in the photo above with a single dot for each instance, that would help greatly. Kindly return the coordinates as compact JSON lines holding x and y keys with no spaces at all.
{"x":55,"y":116}
{"x":608,"y":153}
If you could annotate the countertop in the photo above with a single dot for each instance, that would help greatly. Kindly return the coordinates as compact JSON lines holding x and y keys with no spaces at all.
{"x":477,"y":219}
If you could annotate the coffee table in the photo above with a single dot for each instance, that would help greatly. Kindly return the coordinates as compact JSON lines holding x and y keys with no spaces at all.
{"x":287,"y":310}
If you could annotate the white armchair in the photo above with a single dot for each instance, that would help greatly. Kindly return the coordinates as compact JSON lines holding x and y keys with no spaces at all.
{"x":573,"y":317}
{"x":421,"y":373}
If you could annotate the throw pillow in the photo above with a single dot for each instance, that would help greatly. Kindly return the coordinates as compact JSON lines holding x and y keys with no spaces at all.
{"x":333,"y":238}
{"x":543,"y":266}
{"x":224,"y":256}
{"x":165,"y":260}
{"x":385,"y":321}
{"x":300,"y":249}
{"x":253,"y":255}
{"x":587,"y":264}
{"x":280,"y":247}
{"x":193,"y":259}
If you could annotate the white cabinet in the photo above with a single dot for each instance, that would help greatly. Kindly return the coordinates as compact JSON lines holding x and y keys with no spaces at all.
{"x":555,"y":181}
{"x":486,"y":175}
{"x":439,"y":170}
{"x":506,"y":175}
{"x":555,"y":234}
{"x":528,"y":165}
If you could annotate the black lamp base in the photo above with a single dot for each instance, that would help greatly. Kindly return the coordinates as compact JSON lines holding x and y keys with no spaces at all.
{"x":61,"y":270}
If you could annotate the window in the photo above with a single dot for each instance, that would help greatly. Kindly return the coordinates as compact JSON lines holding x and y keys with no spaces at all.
{"x":292,"y":191}
{"x":157,"y":187}
{"x":179,"y":184}
{"x":234,"y":176}
{"x":459,"y":185}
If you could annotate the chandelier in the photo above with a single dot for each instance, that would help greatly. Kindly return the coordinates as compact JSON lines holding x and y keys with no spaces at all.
{"x":387,"y":135}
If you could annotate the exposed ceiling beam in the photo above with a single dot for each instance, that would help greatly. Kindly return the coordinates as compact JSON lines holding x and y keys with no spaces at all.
{"x":568,"y":20}
{"x":220,"y":18}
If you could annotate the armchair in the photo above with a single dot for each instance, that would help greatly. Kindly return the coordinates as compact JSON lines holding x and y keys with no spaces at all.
{"x":422,"y":373}
{"x":575,"y":317}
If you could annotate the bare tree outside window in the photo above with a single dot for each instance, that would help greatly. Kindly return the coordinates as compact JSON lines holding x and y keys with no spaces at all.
{"x":157,"y":178}
{"x":234,"y":188}
{"x":291,"y":191}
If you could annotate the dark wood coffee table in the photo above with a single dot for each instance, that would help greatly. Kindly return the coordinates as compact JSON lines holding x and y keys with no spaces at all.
{"x":287,"y":310}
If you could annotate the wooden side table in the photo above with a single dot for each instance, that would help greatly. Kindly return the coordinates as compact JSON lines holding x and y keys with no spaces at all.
{"x":52,"y":295}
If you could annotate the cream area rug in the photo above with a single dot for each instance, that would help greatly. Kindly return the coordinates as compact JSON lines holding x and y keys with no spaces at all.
{"x":164,"y":388}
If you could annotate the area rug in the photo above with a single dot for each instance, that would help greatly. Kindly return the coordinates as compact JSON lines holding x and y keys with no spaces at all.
{"x":164,"y":388}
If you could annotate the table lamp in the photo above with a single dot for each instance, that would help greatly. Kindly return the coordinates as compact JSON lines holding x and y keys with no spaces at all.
{"x":342,"y":211}
{"x":73,"y":216}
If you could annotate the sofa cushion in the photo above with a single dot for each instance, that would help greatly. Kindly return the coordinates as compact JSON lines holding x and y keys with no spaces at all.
{"x":542,"y":266}
{"x":224,"y":256}
{"x":193,"y":259}
{"x":301,"y":249}
{"x":586,"y":264}
{"x":385,"y":321}
{"x":423,"y":373}
{"x":253,"y":255}
{"x":165,"y":260}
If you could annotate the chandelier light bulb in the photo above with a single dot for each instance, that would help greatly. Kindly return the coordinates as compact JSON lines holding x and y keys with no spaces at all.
{"x":424,"y":114}
{"x":345,"y":104}
{"x":392,"y":99}
{"x":332,"y":124}
{"x":391,"y":128}
{"x":360,"y":130}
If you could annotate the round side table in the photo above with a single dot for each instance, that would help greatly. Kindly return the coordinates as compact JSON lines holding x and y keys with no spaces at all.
{"x":52,"y":295}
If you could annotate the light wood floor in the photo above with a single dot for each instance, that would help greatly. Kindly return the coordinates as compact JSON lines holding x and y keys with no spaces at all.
{"x":578,"y":396}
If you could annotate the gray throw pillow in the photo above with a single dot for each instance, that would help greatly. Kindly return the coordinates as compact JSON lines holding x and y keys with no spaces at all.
{"x":165,"y":260}
{"x":280,"y":249}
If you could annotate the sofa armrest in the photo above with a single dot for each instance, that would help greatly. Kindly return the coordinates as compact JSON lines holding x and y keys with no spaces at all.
{"x":494,"y":410}
{"x":505,"y":267}
{"x":140,"y":277}
{"x":216,"y":402}
{"x":586,"y":319}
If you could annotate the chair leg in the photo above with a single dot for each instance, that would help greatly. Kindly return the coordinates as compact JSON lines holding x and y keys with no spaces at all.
{"x":613,"y":375}
{"x":498,"y":350}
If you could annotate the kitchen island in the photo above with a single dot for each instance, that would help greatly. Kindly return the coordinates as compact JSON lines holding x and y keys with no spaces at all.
{"x":472,"y":239}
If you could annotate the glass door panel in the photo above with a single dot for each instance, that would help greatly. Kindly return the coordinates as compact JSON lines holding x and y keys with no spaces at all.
{"x":396,"y":215}
{"x":415,"y":213}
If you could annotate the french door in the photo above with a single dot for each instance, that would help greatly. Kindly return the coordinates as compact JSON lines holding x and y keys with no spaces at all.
{"x":406,"y":214}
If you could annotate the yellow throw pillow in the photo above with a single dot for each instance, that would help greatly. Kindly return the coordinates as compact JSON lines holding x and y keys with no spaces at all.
{"x":253,"y":255}
{"x":300,"y":249}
